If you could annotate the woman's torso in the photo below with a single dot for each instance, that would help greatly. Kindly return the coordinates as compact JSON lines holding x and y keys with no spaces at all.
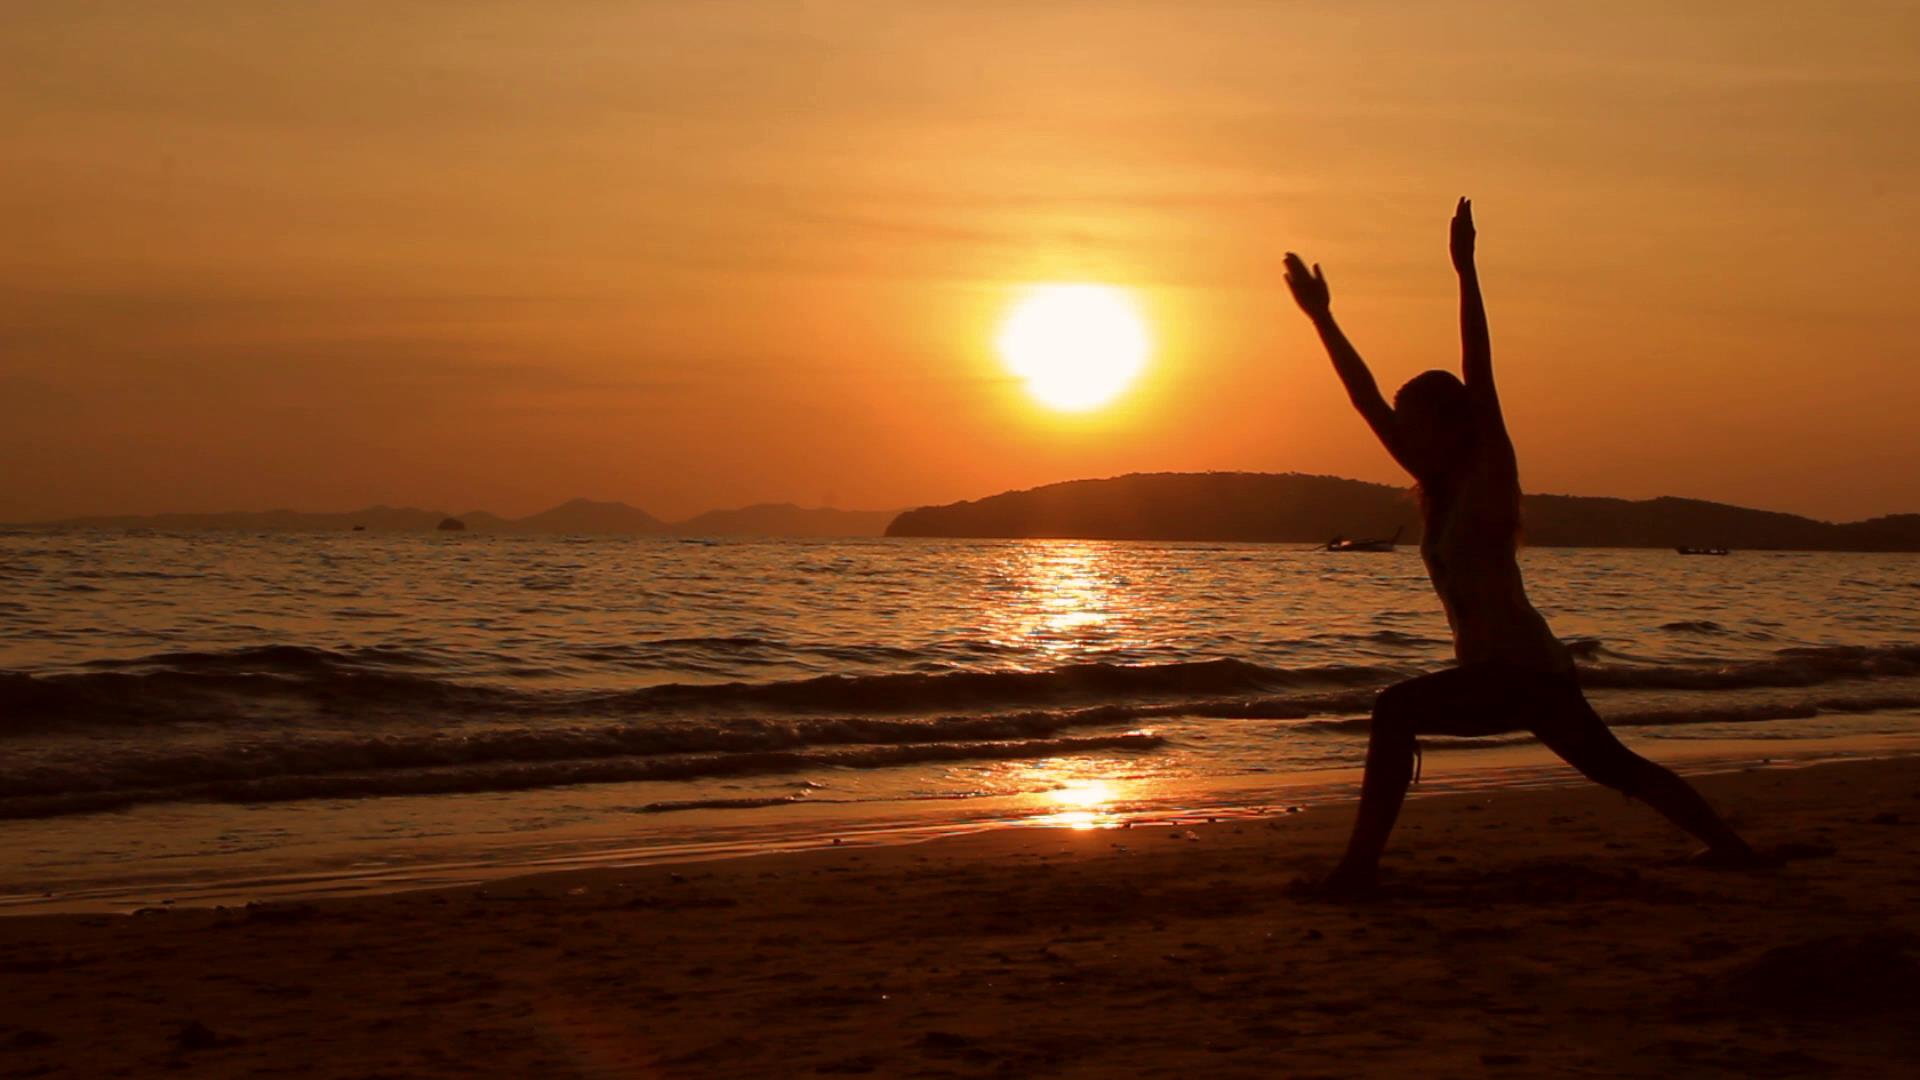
{"x":1471,"y":548}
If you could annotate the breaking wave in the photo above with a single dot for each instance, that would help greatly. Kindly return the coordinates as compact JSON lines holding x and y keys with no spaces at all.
{"x":375,"y":684}
{"x":40,"y":793}
{"x":288,"y":722}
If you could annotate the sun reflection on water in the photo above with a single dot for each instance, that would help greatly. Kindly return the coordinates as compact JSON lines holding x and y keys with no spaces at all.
{"x":1062,"y":602}
{"x":1075,"y":794}
{"x":1070,"y":601}
{"x":1084,"y":805}
{"x":1084,"y":793}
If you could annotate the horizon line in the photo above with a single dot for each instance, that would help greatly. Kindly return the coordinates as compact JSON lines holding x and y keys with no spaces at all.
{"x":73,"y":519}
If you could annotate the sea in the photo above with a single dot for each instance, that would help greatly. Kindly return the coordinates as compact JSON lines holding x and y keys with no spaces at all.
{"x":217,"y":717}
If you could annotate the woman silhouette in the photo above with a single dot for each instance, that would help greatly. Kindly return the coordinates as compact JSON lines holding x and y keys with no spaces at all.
{"x":1513,"y":674}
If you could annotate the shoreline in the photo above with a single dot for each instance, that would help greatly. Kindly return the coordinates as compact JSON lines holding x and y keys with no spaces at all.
{"x":1530,"y":930}
{"x":726,"y":834}
{"x":729,"y":834}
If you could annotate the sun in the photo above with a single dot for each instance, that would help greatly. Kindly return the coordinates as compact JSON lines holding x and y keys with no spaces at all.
{"x":1077,"y":345}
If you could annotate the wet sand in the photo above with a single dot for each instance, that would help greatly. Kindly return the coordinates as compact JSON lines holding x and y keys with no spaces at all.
{"x":1522,"y":933}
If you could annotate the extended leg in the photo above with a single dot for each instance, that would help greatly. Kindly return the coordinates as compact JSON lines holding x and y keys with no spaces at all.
{"x":1582,"y":738}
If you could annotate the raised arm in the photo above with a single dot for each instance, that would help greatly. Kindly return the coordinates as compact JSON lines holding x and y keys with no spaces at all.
{"x":1476,"y":346}
{"x":1311,"y":293}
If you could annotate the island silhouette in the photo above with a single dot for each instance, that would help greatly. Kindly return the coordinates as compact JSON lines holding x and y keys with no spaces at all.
{"x":576,"y":517}
{"x":1301,"y":508}
{"x":1214,"y":506}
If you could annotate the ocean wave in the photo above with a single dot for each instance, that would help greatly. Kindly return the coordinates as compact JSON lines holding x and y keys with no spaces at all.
{"x":290,"y":754}
{"x":1743,"y":713}
{"x":1096,"y":680}
{"x":1694,"y":626}
{"x":117,"y":574}
{"x":32,"y":703}
{"x":371,"y":686}
{"x":1796,"y":667}
{"x":282,"y":769}
{"x":686,"y":653}
{"x":666,"y":806}
{"x":1381,"y":637}
{"x":521,"y":775}
{"x":284,"y":659}
{"x":272,"y":761}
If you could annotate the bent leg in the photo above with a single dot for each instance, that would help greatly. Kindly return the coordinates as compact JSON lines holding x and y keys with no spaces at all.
{"x":1577,"y":734}
{"x":1461,"y":701}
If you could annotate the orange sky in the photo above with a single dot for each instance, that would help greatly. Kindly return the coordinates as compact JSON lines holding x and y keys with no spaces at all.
{"x":692,"y":255}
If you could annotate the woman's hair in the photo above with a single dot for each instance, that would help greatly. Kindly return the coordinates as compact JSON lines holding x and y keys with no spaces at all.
{"x":1435,"y":393}
{"x":1436,"y":422}
{"x":1436,"y":418}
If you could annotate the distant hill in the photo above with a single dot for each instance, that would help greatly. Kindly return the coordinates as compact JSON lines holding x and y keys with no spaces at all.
{"x":1176,"y":506}
{"x":1894,"y":532}
{"x":1276,"y":507}
{"x":576,"y":517}
{"x":585,"y":517}
{"x":1296,"y":508}
{"x":374,"y":519}
{"x":786,"y":519}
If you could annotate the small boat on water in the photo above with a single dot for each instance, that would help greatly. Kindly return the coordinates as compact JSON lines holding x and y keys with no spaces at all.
{"x":1386,"y":543}
{"x":1701,"y":550}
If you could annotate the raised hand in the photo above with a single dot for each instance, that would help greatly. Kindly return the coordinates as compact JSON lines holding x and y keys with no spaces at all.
{"x":1462,"y":240}
{"x":1311,"y":293}
{"x":1309,"y":289}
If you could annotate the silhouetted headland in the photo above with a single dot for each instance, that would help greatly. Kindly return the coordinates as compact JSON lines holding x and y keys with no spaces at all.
{"x":1256,"y":507}
{"x":1299,"y":508}
{"x":577,"y":517}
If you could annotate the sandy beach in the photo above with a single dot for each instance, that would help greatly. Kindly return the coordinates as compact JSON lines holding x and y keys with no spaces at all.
{"x":1522,"y":933}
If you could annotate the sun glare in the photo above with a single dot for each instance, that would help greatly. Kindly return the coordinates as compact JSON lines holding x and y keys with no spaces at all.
{"x":1077,"y":346}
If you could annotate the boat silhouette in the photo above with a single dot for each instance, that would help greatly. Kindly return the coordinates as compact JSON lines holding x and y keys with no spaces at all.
{"x":1384,"y":543}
